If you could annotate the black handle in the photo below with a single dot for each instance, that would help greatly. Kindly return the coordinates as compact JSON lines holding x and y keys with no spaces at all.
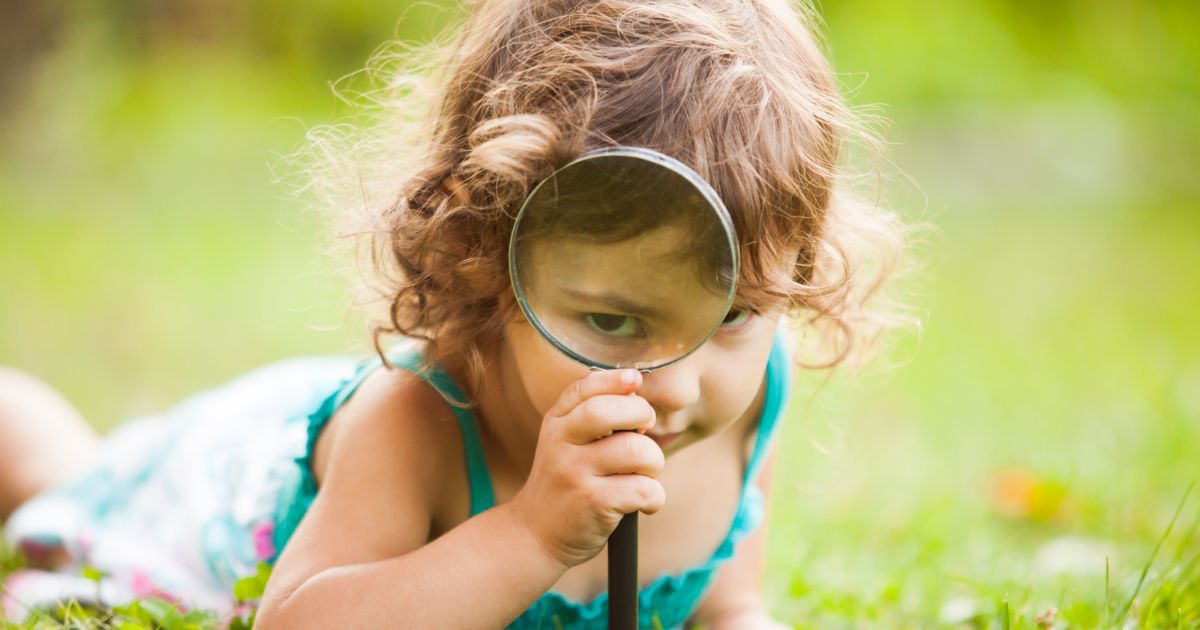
{"x":622,"y":575}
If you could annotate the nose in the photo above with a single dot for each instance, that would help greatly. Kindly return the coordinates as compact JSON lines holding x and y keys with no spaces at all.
{"x":672,"y":389}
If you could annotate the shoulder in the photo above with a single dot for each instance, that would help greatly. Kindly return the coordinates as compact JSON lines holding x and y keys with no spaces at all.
{"x":396,"y":428}
{"x":383,"y":464}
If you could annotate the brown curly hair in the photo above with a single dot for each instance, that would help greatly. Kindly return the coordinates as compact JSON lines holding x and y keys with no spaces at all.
{"x":465,"y":126}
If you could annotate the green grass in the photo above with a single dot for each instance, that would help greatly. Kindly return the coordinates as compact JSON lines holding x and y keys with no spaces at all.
{"x":147,"y":613}
{"x":1029,"y":451}
{"x":1052,"y":397}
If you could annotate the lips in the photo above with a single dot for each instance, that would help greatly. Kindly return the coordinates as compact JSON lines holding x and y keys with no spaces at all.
{"x":664,"y":440}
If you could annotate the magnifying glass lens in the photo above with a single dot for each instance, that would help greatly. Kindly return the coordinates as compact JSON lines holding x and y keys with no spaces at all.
{"x":624,"y":258}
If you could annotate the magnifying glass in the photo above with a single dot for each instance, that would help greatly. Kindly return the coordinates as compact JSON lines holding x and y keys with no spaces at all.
{"x":624,"y":258}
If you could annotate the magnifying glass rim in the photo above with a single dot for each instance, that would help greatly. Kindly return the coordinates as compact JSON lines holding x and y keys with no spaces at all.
{"x":649,"y":155}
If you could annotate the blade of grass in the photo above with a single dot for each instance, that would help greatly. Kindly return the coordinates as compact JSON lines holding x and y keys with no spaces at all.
{"x":1187,"y":539}
{"x":46,"y":618}
{"x":1185,"y":568}
{"x":1146,"y":568}
{"x":1149,"y":613}
{"x":1107,"y":604}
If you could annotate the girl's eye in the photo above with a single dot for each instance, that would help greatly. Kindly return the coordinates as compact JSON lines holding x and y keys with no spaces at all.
{"x":735,"y":318}
{"x":613,"y":325}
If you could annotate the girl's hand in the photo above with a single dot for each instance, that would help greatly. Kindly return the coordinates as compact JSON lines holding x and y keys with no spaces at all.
{"x":590,"y":469}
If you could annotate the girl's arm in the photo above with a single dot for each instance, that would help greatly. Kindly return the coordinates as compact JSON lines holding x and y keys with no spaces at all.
{"x":482,"y":574}
{"x":735,"y":601}
{"x":361,"y":558}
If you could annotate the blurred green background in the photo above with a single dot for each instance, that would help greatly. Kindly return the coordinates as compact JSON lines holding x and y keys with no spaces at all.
{"x":1047,"y":417}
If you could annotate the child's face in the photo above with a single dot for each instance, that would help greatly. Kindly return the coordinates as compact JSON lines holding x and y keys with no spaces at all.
{"x":641,"y":301}
{"x":698,"y":396}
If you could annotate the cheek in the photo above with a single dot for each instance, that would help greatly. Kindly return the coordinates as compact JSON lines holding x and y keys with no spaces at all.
{"x":544,"y":371}
{"x":736,"y":376}
{"x":727,"y":399}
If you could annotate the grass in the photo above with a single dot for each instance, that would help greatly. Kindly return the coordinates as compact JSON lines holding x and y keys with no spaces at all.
{"x":146,"y":613}
{"x":1024,"y":462}
{"x":1036,"y":434}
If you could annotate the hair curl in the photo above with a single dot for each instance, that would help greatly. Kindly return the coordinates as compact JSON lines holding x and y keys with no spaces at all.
{"x":461,"y":130}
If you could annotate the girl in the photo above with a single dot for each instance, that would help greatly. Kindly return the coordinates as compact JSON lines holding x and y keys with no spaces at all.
{"x":476,"y":485}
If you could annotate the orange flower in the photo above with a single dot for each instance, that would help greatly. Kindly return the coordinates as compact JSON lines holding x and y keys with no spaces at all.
{"x":1018,"y":493}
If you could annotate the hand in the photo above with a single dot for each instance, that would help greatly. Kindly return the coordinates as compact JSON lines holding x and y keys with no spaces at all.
{"x":746,"y":620}
{"x":592,"y":466}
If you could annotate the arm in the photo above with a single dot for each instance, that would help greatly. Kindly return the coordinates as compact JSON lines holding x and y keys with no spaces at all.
{"x":735,"y":600}
{"x":361,"y":558}
{"x":482,"y":574}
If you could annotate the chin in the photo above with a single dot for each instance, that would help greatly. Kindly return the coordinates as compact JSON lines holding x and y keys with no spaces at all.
{"x":680,"y":443}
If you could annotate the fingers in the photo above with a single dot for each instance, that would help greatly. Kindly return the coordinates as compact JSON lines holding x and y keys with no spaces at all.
{"x":618,"y":382}
{"x":601,"y":416}
{"x":630,"y":493}
{"x":626,"y":453}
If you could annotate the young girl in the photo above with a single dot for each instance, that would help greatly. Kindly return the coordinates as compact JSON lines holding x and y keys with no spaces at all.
{"x":476,"y":485}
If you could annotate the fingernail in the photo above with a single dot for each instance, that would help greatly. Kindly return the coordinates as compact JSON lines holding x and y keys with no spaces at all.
{"x":627,"y":377}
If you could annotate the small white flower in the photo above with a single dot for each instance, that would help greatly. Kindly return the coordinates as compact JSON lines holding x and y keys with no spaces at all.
{"x":958,"y":610}
{"x":1074,"y":555}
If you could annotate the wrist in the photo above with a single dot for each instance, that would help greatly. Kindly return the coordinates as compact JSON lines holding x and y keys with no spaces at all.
{"x":524,"y":536}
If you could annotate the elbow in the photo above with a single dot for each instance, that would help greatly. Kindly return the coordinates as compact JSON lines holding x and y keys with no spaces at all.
{"x":315,"y":602}
{"x":279,"y":609}
{"x":272,"y":615}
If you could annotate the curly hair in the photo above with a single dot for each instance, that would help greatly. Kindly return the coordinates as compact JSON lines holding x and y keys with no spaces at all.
{"x":462,"y":128}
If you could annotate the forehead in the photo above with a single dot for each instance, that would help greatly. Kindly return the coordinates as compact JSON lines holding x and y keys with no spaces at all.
{"x":653,"y":267}
{"x":665,"y":298}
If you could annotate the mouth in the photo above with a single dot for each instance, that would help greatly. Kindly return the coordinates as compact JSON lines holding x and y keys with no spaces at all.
{"x":665,"y":439}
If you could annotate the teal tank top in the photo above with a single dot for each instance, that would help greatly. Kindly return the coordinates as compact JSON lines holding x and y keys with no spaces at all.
{"x":665,"y":603}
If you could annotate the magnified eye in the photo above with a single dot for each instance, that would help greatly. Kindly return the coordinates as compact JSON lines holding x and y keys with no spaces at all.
{"x":735,"y":318}
{"x":614,"y":325}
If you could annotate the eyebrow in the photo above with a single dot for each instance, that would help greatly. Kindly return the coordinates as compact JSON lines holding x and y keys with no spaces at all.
{"x":614,"y":301}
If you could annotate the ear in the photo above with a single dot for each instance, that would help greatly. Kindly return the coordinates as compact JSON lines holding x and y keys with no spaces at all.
{"x":457,"y":190}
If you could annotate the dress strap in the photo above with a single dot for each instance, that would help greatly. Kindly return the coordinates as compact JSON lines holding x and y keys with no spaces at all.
{"x":779,"y":381}
{"x":482,"y":495}
{"x":750,"y":510}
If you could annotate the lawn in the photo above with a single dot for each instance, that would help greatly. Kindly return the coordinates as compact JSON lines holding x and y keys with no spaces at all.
{"x":1018,"y":462}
